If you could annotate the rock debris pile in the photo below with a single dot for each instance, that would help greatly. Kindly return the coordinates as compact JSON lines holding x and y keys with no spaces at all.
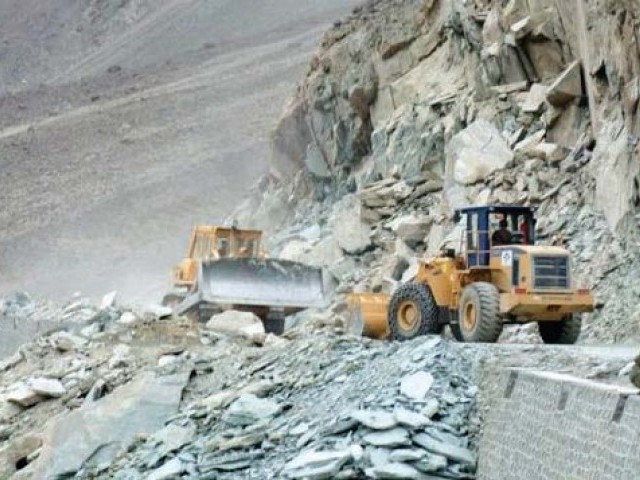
{"x":115,"y":392}
{"x":323,"y":407}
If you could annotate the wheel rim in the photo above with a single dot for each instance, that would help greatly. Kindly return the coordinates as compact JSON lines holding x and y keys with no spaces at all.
{"x":469,"y":317}
{"x":408,"y":315}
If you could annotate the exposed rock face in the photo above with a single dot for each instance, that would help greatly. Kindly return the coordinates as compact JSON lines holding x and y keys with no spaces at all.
{"x":420,"y":106}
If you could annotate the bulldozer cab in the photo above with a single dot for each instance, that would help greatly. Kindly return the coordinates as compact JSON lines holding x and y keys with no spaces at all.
{"x":212,"y":243}
{"x":486,"y":227}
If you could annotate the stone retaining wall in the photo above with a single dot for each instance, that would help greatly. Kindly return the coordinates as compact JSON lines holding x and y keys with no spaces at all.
{"x":549,"y":426}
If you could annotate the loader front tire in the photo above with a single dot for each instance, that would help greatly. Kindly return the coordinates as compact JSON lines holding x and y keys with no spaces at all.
{"x":478,"y":313}
{"x":564,"y":332}
{"x":413,"y":312}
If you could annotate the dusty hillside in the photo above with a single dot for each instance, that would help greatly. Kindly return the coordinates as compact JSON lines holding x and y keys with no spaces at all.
{"x":125,"y":123}
{"x":413,"y":108}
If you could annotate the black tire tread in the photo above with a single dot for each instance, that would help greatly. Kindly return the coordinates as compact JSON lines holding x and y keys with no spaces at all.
{"x":489,"y":325}
{"x":274,"y":325}
{"x":172,"y":298}
{"x":421,"y":294}
{"x":564,"y":332}
{"x":456,"y":332}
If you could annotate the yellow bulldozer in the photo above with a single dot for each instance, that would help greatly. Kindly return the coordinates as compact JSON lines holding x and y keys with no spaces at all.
{"x":227,"y":268}
{"x":496,"y":276}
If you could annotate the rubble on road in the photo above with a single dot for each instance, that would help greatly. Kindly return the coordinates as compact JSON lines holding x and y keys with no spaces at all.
{"x":312,"y":422}
{"x":153,"y":397}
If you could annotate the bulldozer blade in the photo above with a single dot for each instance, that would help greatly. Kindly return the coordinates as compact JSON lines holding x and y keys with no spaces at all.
{"x":255,"y":282}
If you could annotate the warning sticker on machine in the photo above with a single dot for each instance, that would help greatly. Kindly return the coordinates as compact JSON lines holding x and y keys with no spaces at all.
{"x":507,"y":258}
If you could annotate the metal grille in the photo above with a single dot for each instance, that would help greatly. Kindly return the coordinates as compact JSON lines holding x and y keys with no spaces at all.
{"x":551,"y":272}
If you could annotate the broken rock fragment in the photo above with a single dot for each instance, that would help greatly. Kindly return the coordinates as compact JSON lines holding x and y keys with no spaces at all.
{"x":391,"y":471}
{"x":567,"y":87}
{"x":397,"y":437}
{"x":416,"y":386}
{"x":375,"y":420}
{"x":109,"y":424}
{"x":317,"y":465}
{"x":249,"y":409}
{"x":47,"y":387}
{"x":453,"y":452}
{"x":476,"y":152}
{"x":22,"y":395}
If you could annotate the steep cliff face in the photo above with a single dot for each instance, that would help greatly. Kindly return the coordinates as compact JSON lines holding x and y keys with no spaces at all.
{"x":446,"y":55}
{"x":421,"y":106}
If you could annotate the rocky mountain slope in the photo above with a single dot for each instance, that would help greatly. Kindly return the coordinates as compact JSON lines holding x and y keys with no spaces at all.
{"x":413,"y":108}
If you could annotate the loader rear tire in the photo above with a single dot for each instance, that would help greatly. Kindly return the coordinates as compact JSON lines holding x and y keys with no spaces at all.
{"x":478,"y":313}
{"x":413,"y":312}
{"x":564,"y":332}
{"x":274,"y":323}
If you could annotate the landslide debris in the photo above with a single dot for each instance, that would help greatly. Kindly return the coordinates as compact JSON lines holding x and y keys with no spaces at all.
{"x":411,"y":108}
{"x":131,"y":393}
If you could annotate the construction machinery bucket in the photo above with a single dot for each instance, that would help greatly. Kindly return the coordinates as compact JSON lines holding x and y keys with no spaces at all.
{"x":255,"y":282}
{"x":368,"y":312}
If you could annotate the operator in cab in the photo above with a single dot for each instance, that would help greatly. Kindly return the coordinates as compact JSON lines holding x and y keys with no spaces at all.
{"x":502,"y":236}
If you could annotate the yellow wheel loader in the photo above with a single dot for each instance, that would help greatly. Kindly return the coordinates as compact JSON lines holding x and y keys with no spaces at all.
{"x":497,"y":276}
{"x":226,"y":268}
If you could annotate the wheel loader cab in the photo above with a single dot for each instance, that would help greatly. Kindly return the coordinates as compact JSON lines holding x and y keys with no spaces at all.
{"x":484,"y":222}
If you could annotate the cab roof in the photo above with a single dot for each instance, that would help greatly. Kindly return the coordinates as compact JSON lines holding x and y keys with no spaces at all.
{"x":488,"y":209}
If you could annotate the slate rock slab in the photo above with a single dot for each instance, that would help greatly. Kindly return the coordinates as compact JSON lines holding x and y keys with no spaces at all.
{"x":97,"y":431}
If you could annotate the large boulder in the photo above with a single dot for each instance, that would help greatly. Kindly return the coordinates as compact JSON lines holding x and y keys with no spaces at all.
{"x":351,"y":233}
{"x":412,"y":229}
{"x":476,"y":152}
{"x":238,"y":324}
{"x":325,"y":253}
{"x":97,"y":432}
